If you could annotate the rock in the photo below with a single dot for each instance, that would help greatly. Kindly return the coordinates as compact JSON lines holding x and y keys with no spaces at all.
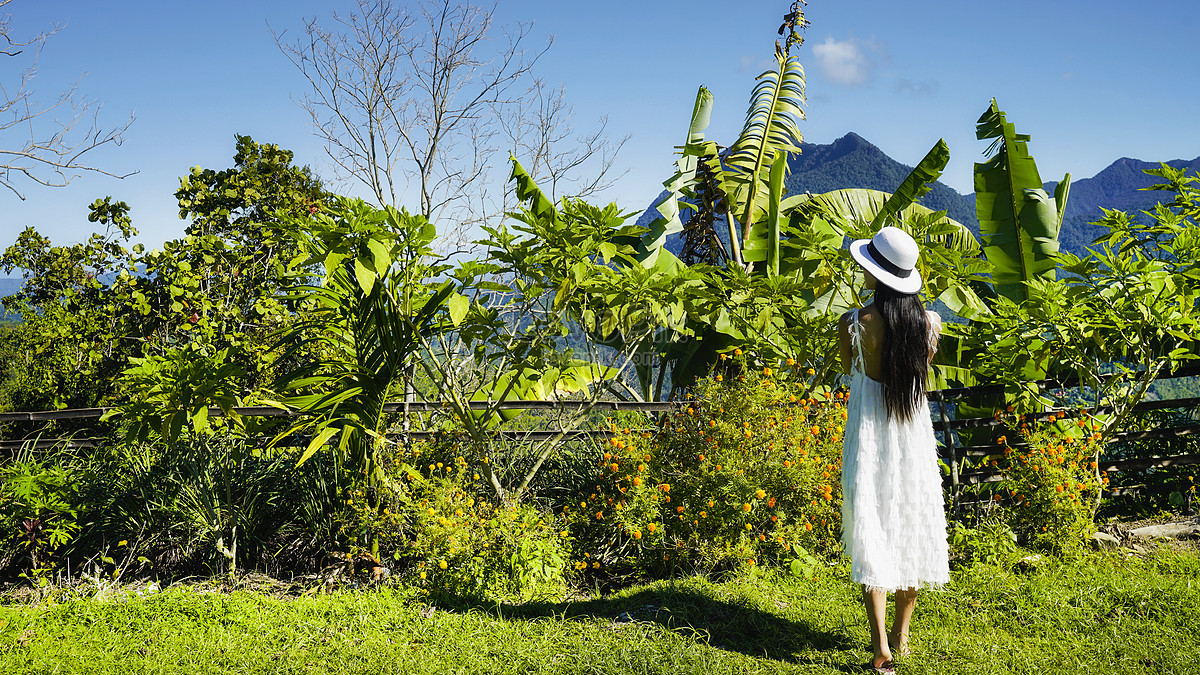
{"x":1166,"y":531}
{"x":1105,"y":541}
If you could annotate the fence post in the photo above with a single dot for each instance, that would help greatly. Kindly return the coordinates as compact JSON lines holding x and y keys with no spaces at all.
{"x":948,"y":437}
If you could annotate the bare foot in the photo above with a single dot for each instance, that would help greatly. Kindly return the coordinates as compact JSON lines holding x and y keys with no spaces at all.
{"x":899,"y":644}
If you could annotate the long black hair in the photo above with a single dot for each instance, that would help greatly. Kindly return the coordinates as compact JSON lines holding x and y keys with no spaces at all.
{"x":904,"y":365}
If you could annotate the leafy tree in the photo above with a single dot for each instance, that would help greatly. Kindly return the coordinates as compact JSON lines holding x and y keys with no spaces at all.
{"x":1119,"y":318}
{"x":88,"y":308}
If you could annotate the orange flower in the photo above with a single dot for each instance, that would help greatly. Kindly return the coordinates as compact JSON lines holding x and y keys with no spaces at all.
{"x":746,"y":507}
{"x":651,"y":527}
{"x":637,"y":534}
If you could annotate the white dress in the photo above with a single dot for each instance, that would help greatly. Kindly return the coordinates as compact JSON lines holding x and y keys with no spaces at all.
{"x":893,"y":518}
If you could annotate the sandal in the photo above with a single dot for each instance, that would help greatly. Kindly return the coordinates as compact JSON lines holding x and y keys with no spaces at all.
{"x":902,"y":650}
{"x":885,"y":668}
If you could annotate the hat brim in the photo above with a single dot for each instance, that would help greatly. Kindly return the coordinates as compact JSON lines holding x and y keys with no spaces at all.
{"x":908,"y":285}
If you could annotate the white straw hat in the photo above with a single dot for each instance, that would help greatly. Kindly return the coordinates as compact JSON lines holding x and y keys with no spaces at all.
{"x":891,"y":257}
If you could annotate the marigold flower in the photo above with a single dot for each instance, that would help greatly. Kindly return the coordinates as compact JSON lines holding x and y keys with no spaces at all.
{"x":651,"y":527}
{"x":746,"y":507}
{"x":637,"y":534}
{"x":749,"y":527}
{"x":760,"y":493}
{"x":791,"y":362}
{"x":442,"y":564}
{"x":808,"y":526}
{"x":737,"y":352}
{"x":704,"y":514}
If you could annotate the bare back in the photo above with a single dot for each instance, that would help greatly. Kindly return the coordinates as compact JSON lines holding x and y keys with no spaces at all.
{"x":872,"y":339}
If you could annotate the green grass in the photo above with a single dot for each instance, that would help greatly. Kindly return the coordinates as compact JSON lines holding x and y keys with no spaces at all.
{"x":1104,"y":614}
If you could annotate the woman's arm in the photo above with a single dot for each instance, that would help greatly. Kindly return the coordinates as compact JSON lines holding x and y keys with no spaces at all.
{"x":844,"y":342}
{"x":935,"y":331}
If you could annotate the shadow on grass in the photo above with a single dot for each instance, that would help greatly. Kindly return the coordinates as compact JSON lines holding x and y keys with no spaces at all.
{"x":721,"y":624}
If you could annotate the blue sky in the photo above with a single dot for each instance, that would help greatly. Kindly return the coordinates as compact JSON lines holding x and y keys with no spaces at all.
{"x":1090,"y":81}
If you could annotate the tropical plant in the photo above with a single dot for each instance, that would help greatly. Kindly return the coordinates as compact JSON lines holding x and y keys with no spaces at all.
{"x":1018,"y":220}
{"x":352,"y":351}
{"x":38,"y":508}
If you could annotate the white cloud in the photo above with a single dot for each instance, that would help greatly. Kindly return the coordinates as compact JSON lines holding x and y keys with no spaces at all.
{"x":841,"y":62}
{"x":848,"y":62}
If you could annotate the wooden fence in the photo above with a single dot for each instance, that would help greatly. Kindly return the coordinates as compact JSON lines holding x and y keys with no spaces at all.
{"x":952,"y":451}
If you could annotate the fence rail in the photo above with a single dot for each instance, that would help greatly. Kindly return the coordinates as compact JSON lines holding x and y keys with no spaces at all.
{"x":952,"y":452}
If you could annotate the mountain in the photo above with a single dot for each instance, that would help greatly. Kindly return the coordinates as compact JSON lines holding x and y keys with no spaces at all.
{"x":853,"y":162}
{"x":1119,"y":186}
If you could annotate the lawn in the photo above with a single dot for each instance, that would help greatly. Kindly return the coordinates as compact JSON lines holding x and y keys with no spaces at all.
{"x":1105,"y":613}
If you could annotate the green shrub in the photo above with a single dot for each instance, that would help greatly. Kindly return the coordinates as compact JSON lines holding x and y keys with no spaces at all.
{"x":435,"y":522}
{"x":1052,"y":485}
{"x":989,"y":543}
{"x":38,"y":509}
{"x":748,"y":474}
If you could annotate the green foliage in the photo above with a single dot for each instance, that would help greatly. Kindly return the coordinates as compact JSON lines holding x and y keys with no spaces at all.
{"x":749,"y":474}
{"x":989,"y":543}
{"x":1052,"y":481}
{"x":1120,"y":316}
{"x":38,"y":509}
{"x":433,"y":520}
{"x":1018,"y":220}
{"x":89,"y":308}
{"x":354,"y":349}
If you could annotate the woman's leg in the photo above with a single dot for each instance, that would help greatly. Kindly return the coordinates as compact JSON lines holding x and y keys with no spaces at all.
{"x":876,"y":604}
{"x":906,"y":601}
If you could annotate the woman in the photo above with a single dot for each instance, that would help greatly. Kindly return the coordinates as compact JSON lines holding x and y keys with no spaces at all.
{"x":893,"y":522}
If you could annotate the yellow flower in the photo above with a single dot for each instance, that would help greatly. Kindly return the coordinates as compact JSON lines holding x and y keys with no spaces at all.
{"x":442,"y":564}
{"x":760,"y":493}
{"x":651,"y":527}
{"x":122,"y":542}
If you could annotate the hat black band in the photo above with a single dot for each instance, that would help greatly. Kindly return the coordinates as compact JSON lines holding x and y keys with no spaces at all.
{"x":885,"y":263}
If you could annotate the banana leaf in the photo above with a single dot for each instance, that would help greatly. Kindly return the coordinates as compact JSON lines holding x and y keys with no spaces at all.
{"x":914,"y":186}
{"x":763,"y":243}
{"x":772,"y":124}
{"x":668,"y":221}
{"x":1019,"y":221}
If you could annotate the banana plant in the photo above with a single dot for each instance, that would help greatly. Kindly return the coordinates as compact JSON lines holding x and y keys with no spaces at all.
{"x":1019,"y":221}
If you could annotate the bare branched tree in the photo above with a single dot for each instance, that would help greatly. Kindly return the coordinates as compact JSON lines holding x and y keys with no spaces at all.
{"x":426,"y":95}
{"x":45,"y":143}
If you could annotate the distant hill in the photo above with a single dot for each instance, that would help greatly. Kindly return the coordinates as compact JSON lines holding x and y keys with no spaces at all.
{"x":1119,"y":186}
{"x":853,"y":162}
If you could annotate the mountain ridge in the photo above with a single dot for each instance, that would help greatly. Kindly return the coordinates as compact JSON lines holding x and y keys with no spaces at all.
{"x":854,"y":162}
